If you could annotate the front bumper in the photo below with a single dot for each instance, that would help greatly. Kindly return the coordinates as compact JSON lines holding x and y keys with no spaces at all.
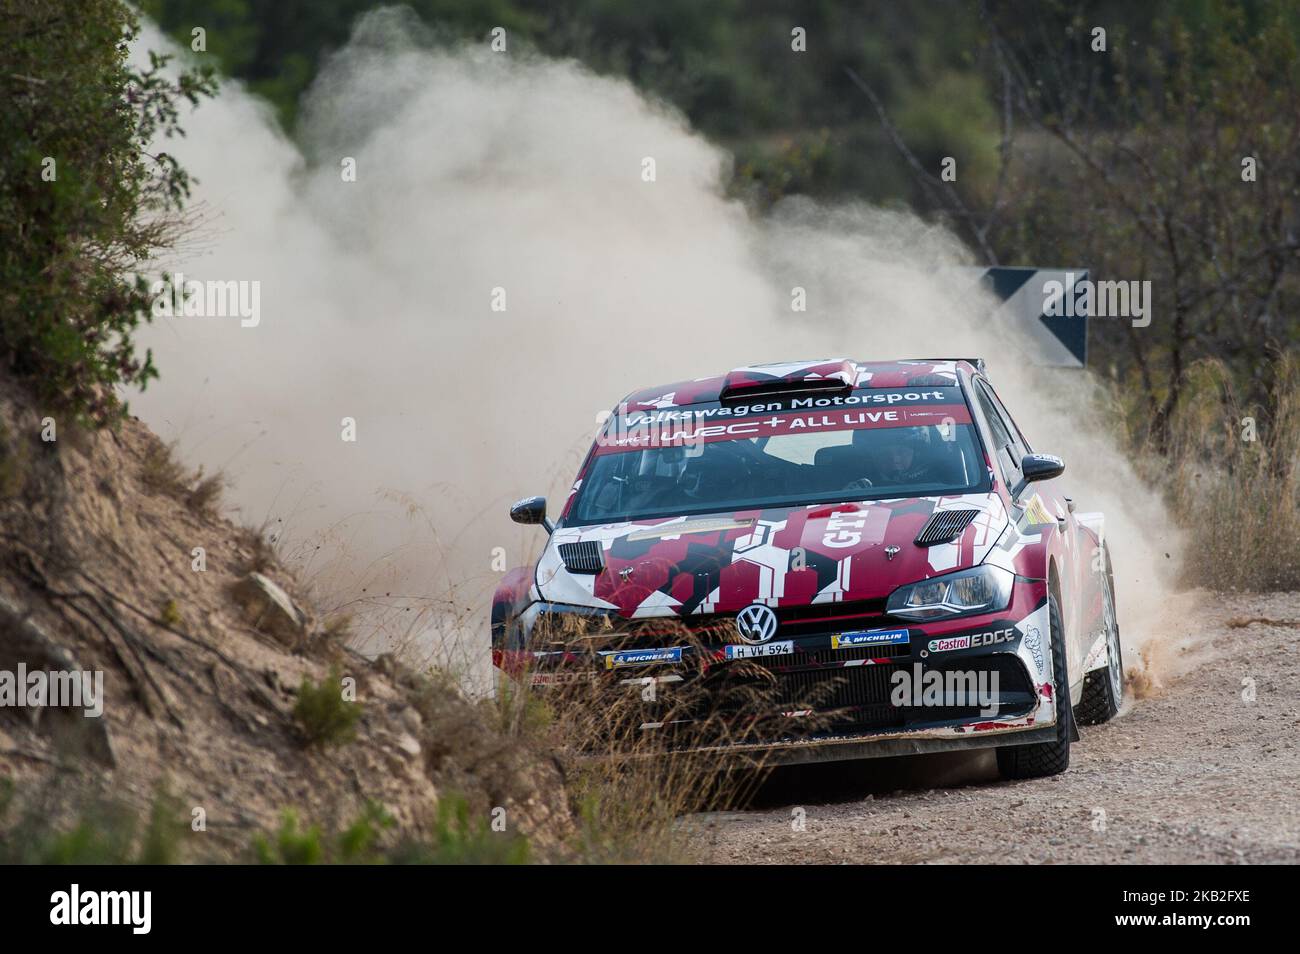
{"x":874,"y":745}
{"x":838,"y":697}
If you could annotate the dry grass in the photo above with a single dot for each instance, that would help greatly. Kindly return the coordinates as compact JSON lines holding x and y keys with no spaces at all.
{"x":161,"y":472}
{"x":261,"y":556}
{"x":1230,"y":475}
{"x":1236,"y":492}
{"x":205,"y":493}
{"x":638,"y":755}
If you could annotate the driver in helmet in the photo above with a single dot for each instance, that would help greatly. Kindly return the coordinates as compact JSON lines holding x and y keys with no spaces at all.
{"x":897,"y":456}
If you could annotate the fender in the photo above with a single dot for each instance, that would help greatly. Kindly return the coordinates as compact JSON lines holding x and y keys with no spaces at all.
{"x":1095,"y":523}
{"x":513,"y":595}
{"x":1030,"y":546}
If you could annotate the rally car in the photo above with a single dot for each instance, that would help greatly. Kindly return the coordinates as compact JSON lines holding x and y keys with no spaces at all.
{"x":879,"y":540}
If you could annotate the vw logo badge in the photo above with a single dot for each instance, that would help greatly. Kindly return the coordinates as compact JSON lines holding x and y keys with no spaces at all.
{"x":756,"y":623}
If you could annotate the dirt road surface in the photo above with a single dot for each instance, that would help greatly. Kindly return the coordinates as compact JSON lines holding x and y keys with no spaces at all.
{"x":1193,"y":771}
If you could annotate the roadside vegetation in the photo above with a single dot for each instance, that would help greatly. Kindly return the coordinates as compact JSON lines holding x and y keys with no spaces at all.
{"x":1231,"y":469}
{"x":1183,"y":178}
{"x":109,"y":830}
{"x":82,"y":201}
{"x":324,"y":716}
{"x":103,"y":831}
{"x":638,"y":755}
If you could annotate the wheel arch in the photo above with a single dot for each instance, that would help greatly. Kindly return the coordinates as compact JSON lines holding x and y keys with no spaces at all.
{"x":512,"y":597}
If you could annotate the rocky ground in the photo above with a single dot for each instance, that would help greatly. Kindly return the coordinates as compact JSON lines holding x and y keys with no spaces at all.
{"x":1202,"y":769}
{"x":114,"y":558}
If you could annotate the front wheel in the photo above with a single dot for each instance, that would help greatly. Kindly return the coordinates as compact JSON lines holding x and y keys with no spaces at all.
{"x":1046,"y":758}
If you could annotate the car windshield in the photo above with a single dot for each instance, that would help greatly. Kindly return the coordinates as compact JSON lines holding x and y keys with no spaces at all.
{"x":753,"y":473}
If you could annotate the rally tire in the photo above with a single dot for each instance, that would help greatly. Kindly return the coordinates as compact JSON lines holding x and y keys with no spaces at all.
{"x":1046,"y":758}
{"x":1103,"y":689}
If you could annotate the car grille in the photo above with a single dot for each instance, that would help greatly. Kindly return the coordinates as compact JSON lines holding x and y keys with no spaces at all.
{"x":858,"y":697}
{"x":829,"y":617}
{"x":794,"y":622}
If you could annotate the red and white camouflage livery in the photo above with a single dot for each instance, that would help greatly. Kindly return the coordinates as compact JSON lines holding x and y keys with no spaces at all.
{"x":859,"y":523}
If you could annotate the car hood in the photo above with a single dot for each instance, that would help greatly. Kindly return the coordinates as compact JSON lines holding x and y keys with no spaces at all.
{"x":793,"y":556}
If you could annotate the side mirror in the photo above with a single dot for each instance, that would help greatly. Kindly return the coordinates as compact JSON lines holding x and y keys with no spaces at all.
{"x":531,"y":510}
{"x":1035,"y":467}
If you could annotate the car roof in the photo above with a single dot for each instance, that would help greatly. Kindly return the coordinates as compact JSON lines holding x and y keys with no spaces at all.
{"x":767,"y":380}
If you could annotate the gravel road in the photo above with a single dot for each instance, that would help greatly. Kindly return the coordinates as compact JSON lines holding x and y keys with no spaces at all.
{"x":1190,"y":772}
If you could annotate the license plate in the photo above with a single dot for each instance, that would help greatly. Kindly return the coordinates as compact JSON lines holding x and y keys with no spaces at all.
{"x":783,"y":648}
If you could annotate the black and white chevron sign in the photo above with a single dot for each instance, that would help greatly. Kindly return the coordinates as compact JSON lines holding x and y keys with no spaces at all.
{"x":1026,"y":294}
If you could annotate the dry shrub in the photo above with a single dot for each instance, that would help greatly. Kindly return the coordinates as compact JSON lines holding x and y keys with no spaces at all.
{"x":204,"y":495}
{"x":161,"y":472}
{"x":639,"y":752}
{"x":258,"y":554}
{"x":1236,"y":492}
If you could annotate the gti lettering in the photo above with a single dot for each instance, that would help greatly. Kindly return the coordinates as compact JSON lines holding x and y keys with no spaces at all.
{"x":837,"y":535}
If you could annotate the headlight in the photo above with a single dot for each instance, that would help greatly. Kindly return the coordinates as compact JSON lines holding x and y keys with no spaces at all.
{"x":981,"y":589}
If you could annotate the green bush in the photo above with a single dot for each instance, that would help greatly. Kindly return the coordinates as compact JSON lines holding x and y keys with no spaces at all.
{"x":83,"y":202}
{"x":325,"y":717}
{"x":459,"y":840}
{"x":455,"y":839}
{"x":103,"y":831}
{"x":291,"y":845}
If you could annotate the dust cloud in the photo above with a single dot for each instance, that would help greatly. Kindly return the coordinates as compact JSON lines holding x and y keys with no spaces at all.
{"x":480,"y":175}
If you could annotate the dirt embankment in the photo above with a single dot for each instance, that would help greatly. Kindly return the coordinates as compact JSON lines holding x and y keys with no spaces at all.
{"x":1202,"y":769}
{"x":114,"y":559}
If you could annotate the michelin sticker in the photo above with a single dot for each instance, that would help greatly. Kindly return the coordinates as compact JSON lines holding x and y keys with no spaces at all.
{"x":880,"y":637}
{"x":641,"y":657}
